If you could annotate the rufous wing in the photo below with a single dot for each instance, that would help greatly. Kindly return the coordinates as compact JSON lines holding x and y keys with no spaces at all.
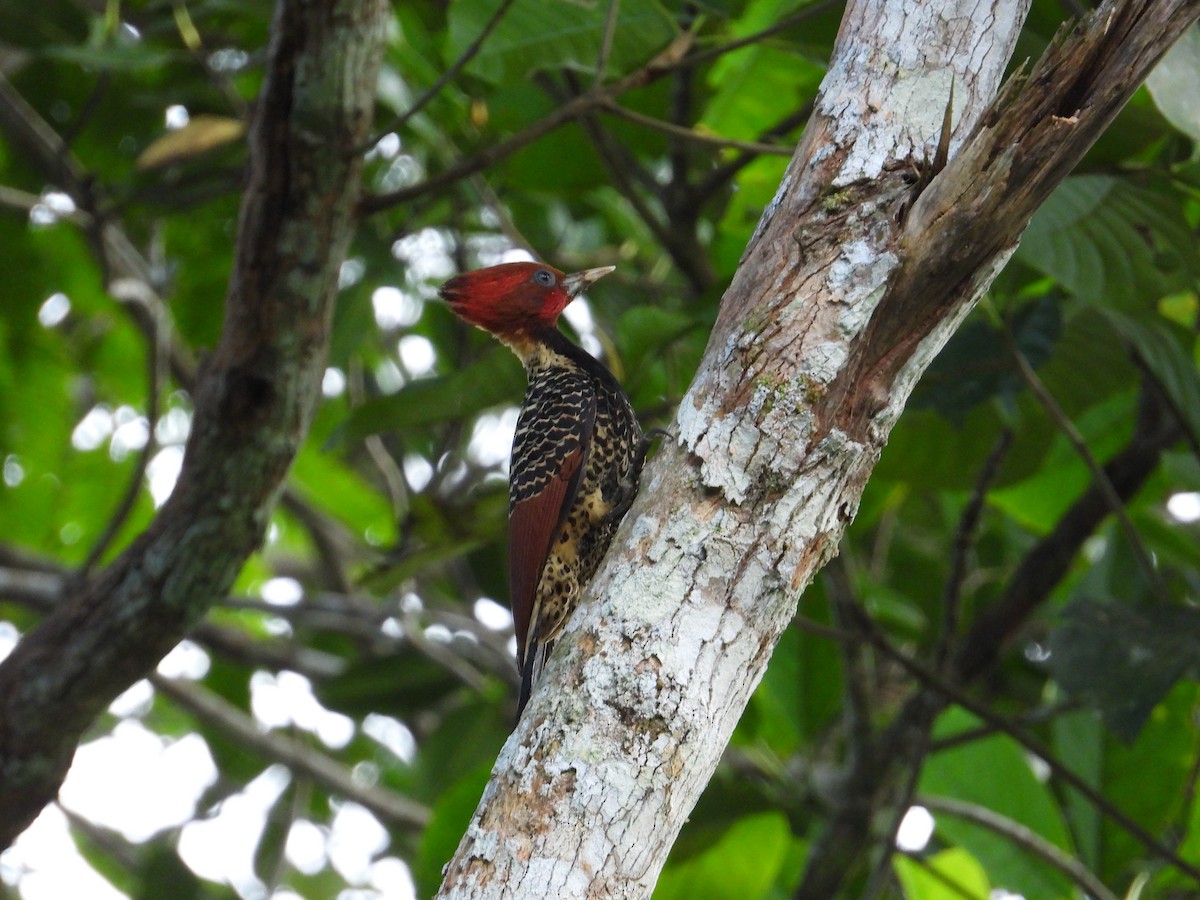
{"x":549,"y":457}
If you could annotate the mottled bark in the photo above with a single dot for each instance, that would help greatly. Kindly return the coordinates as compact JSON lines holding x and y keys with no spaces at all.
{"x":860,"y":270}
{"x":253,"y":404}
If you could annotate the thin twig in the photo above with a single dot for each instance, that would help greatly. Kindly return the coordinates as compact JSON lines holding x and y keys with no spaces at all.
{"x":857,"y":710}
{"x":964,"y":541}
{"x":1024,"y":838}
{"x":1099,"y":477}
{"x":691,"y":134}
{"x":606,"y":41}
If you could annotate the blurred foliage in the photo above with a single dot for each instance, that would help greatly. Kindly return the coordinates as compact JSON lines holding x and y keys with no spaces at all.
{"x":394,"y":517}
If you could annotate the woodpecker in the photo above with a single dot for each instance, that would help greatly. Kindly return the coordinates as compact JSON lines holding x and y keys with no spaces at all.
{"x":576,"y":457}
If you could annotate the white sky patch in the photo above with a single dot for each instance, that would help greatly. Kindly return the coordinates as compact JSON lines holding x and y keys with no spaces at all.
{"x":916,"y":828}
{"x":49,"y":866}
{"x":186,"y":660}
{"x":395,"y":308}
{"x":14,"y":472}
{"x":516,"y":254}
{"x":356,"y":838}
{"x":282,"y":591}
{"x":492,"y":615}
{"x":138,"y":782}
{"x":392,"y":734}
{"x":579,"y":315}
{"x":388,"y":376}
{"x":287,"y":698}
{"x":162,"y":472}
{"x":402,"y":171}
{"x":1094,"y":548}
{"x":387,"y":147}
{"x":1184,"y":507}
{"x":277,"y":627}
{"x":439,"y":633}
{"x":176,"y":116}
{"x":173,"y":426}
{"x":8,"y":638}
{"x":228,"y":59}
{"x":54,"y":205}
{"x":53,"y":310}
{"x":1039,"y":767}
{"x":134,"y":701}
{"x":365,"y":774}
{"x":418,"y":471}
{"x":131,"y":434}
{"x":222,"y":847}
{"x":417,"y":354}
{"x":426,"y":255}
{"x":392,"y":878}
{"x":351,"y":272}
{"x":58,"y":202}
{"x":93,"y":429}
{"x":333,"y":382}
{"x":492,"y":437}
{"x":305,"y":848}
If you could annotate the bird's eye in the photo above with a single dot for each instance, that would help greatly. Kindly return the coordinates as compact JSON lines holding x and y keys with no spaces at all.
{"x":544,"y":277}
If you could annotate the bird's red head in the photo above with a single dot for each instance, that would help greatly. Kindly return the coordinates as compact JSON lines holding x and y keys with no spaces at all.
{"x":516,"y":299}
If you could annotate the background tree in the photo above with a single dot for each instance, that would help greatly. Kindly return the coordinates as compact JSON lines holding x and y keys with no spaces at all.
{"x":1015,"y":584}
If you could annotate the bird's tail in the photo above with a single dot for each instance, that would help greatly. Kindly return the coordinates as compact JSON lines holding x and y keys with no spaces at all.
{"x":535,"y":661}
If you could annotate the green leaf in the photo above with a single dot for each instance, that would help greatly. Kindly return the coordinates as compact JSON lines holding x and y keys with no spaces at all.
{"x":995,"y":773}
{"x":742,"y":865}
{"x":952,"y":874}
{"x":753,"y":85}
{"x":1148,"y":781}
{"x":1122,"y":660}
{"x":1039,"y":501}
{"x":1112,"y":242}
{"x":1162,"y":348}
{"x":977,"y":363}
{"x":1175,"y":84}
{"x":115,"y":57}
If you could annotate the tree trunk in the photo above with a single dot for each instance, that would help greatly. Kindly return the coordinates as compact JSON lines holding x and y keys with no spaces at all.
{"x":859,"y":271}
{"x":253,"y":404}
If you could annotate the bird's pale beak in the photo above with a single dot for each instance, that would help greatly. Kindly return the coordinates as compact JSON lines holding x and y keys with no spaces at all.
{"x":578,"y":282}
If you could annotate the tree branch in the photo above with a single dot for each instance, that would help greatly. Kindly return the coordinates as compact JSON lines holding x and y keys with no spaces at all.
{"x":253,"y":405}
